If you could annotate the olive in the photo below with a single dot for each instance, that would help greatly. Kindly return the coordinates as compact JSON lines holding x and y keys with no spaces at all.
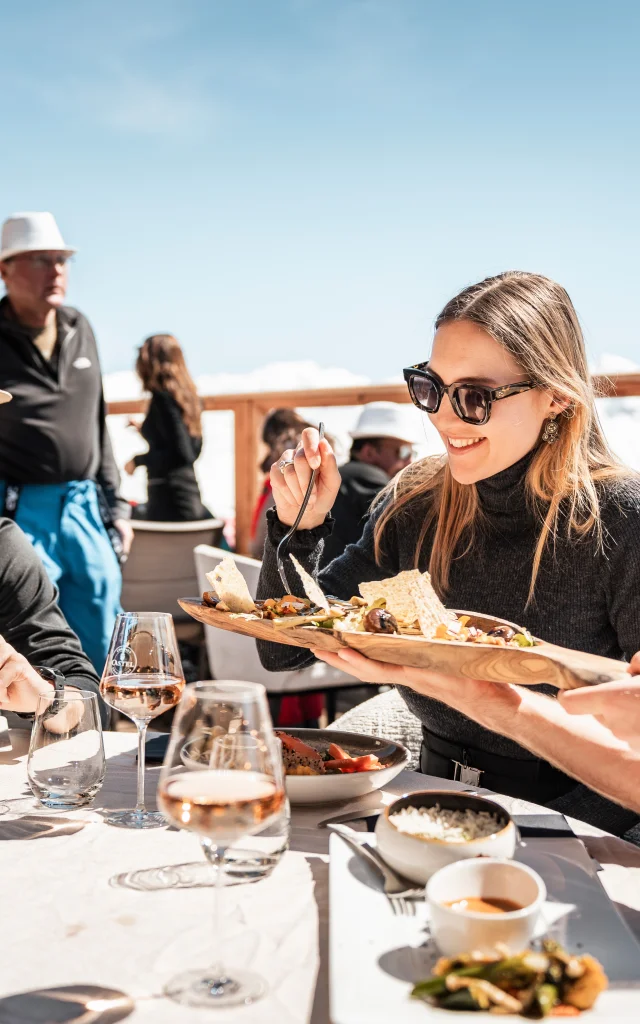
{"x":380,"y":621}
{"x":210,"y":598}
{"x":506,"y":632}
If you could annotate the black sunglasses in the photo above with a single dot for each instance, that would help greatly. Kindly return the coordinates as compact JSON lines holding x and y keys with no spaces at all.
{"x":471,"y":402}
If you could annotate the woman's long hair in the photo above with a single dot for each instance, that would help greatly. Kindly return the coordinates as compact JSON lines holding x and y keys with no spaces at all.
{"x":533,"y":318}
{"x":161,"y":367}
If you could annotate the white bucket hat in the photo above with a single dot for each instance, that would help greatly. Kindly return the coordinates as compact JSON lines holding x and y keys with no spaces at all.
{"x":31,"y":232}
{"x":5,"y":397}
{"x":387,"y":419}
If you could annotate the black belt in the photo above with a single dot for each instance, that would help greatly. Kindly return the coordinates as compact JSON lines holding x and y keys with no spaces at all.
{"x":534,"y":780}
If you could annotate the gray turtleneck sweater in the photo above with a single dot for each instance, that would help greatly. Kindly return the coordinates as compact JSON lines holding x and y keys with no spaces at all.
{"x":585,"y":599}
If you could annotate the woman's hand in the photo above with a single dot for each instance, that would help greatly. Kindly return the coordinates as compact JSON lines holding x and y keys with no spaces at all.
{"x":616,"y":705}
{"x":130,"y":467}
{"x":290,"y":476}
{"x":490,"y":704}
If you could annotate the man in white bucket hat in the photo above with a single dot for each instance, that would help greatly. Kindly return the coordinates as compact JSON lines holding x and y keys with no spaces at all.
{"x":382,"y":445}
{"x":58,"y":476}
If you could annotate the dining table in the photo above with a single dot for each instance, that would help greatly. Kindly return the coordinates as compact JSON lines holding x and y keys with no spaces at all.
{"x":69,"y":916}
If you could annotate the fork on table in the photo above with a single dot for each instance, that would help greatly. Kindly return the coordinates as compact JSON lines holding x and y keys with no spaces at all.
{"x":399,"y":891}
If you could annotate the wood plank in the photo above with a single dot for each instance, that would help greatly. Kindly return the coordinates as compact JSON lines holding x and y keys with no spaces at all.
{"x":528,"y":666}
{"x":612,"y":386}
{"x":248,"y":423}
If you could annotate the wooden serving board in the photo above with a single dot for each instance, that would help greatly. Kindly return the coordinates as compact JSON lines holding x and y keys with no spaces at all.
{"x":528,"y":666}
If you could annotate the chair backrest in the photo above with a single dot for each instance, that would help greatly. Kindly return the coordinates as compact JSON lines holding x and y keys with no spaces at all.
{"x":160,"y":566}
{"x":232,"y":656}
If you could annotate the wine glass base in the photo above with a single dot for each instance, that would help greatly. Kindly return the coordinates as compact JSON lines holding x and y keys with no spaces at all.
{"x":197,"y":988}
{"x":136,"y":819}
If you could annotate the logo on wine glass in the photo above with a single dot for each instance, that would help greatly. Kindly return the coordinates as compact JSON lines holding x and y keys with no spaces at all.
{"x":124,"y":660}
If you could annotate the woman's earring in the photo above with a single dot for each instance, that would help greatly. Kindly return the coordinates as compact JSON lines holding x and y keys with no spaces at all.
{"x":551,"y":431}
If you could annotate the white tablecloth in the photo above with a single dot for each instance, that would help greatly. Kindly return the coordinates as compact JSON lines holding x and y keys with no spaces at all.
{"x":64,"y":924}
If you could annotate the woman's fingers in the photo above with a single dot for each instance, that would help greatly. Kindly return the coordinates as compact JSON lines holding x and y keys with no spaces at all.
{"x":309,"y":443}
{"x":302,"y":470}
{"x":362,"y":668}
{"x":291,"y":474}
{"x":634,"y":665}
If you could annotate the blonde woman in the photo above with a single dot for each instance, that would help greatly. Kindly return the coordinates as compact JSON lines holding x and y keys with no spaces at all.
{"x":528,"y":517}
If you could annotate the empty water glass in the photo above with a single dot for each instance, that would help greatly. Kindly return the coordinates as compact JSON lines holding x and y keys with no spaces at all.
{"x":66,"y":765}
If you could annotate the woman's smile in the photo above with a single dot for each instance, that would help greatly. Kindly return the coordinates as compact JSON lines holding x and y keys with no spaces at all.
{"x":463,"y":445}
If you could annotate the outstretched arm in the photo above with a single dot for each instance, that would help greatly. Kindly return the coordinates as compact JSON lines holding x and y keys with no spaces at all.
{"x":579,"y":745}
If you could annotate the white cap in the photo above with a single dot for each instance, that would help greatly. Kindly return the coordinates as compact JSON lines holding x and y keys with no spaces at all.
{"x":5,"y":397}
{"x":387,"y":419}
{"x":31,"y":232}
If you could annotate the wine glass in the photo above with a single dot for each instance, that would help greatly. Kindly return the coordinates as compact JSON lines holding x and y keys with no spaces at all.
{"x":142,"y":678}
{"x":222,"y":779}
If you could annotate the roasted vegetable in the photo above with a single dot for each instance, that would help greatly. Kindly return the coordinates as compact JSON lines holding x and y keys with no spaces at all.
{"x":506,"y":632}
{"x":583,"y":991}
{"x":533,"y":984}
{"x":378,"y":620}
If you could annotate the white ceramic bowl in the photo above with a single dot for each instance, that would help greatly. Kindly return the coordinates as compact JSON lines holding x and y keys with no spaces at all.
{"x":418,"y":858}
{"x":326,"y":789}
{"x":460,"y":931}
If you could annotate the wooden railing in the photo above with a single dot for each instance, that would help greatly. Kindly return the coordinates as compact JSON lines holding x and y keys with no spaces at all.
{"x":250,"y":409}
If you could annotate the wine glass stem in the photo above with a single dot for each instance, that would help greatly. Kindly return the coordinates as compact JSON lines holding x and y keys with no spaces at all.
{"x":142,"y":734}
{"x":217,"y":969}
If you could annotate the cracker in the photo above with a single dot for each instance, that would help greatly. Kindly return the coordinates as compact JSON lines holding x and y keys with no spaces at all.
{"x":396,"y":593}
{"x":231,"y":587}
{"x":311,"y":588}
{"x":430,"y":610}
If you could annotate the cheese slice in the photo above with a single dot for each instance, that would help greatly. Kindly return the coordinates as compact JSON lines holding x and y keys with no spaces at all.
{"x":311,"y":588}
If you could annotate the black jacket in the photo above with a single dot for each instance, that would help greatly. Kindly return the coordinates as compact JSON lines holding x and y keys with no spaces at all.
{"x":173,"y":492}
{"x":30,"y":619}
{"x":585,"y":599}
{"x":55,"y":430}
{"x":361,"y":483}
{"x":170,"y":443}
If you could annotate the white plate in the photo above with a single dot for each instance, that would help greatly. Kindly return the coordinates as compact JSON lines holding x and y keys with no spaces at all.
{"x":376,"y":957}
{"x":324,"y":789}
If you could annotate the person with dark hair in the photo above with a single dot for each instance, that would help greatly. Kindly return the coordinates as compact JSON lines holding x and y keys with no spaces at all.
{"x":173,"y":430}
{"x":58,"y":477}
{"x":381,"y":446}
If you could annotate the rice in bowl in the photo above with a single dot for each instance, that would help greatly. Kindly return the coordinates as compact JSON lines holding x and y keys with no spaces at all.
{"x":448,"y":826}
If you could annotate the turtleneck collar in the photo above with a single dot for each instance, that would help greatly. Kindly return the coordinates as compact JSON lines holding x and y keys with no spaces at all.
{"x":504,"y":493}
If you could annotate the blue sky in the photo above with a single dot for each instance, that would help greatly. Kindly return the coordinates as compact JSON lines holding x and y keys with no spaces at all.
{"x":284,"y":179}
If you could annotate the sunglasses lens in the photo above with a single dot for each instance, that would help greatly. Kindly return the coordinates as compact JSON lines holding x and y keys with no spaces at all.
{"x":473,"y":403}
{"x":425,"y":392}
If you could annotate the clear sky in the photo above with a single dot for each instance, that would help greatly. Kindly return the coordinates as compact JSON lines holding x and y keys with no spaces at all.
{"x":284,"y":179}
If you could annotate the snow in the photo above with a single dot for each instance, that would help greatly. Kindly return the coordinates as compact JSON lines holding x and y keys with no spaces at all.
{"x":620,"y":419}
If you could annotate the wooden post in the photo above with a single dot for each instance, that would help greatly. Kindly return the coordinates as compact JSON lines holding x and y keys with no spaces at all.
{"x":248,"y":421}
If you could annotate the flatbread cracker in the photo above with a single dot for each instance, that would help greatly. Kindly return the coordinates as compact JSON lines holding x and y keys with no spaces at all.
{"x":431,"y":612}
{"x":311,"y":588}
{"x":231,"y":587}
{"x":396,"y":593}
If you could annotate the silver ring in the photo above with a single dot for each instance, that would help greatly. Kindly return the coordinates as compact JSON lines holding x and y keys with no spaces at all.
{"x":282,"y":465}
